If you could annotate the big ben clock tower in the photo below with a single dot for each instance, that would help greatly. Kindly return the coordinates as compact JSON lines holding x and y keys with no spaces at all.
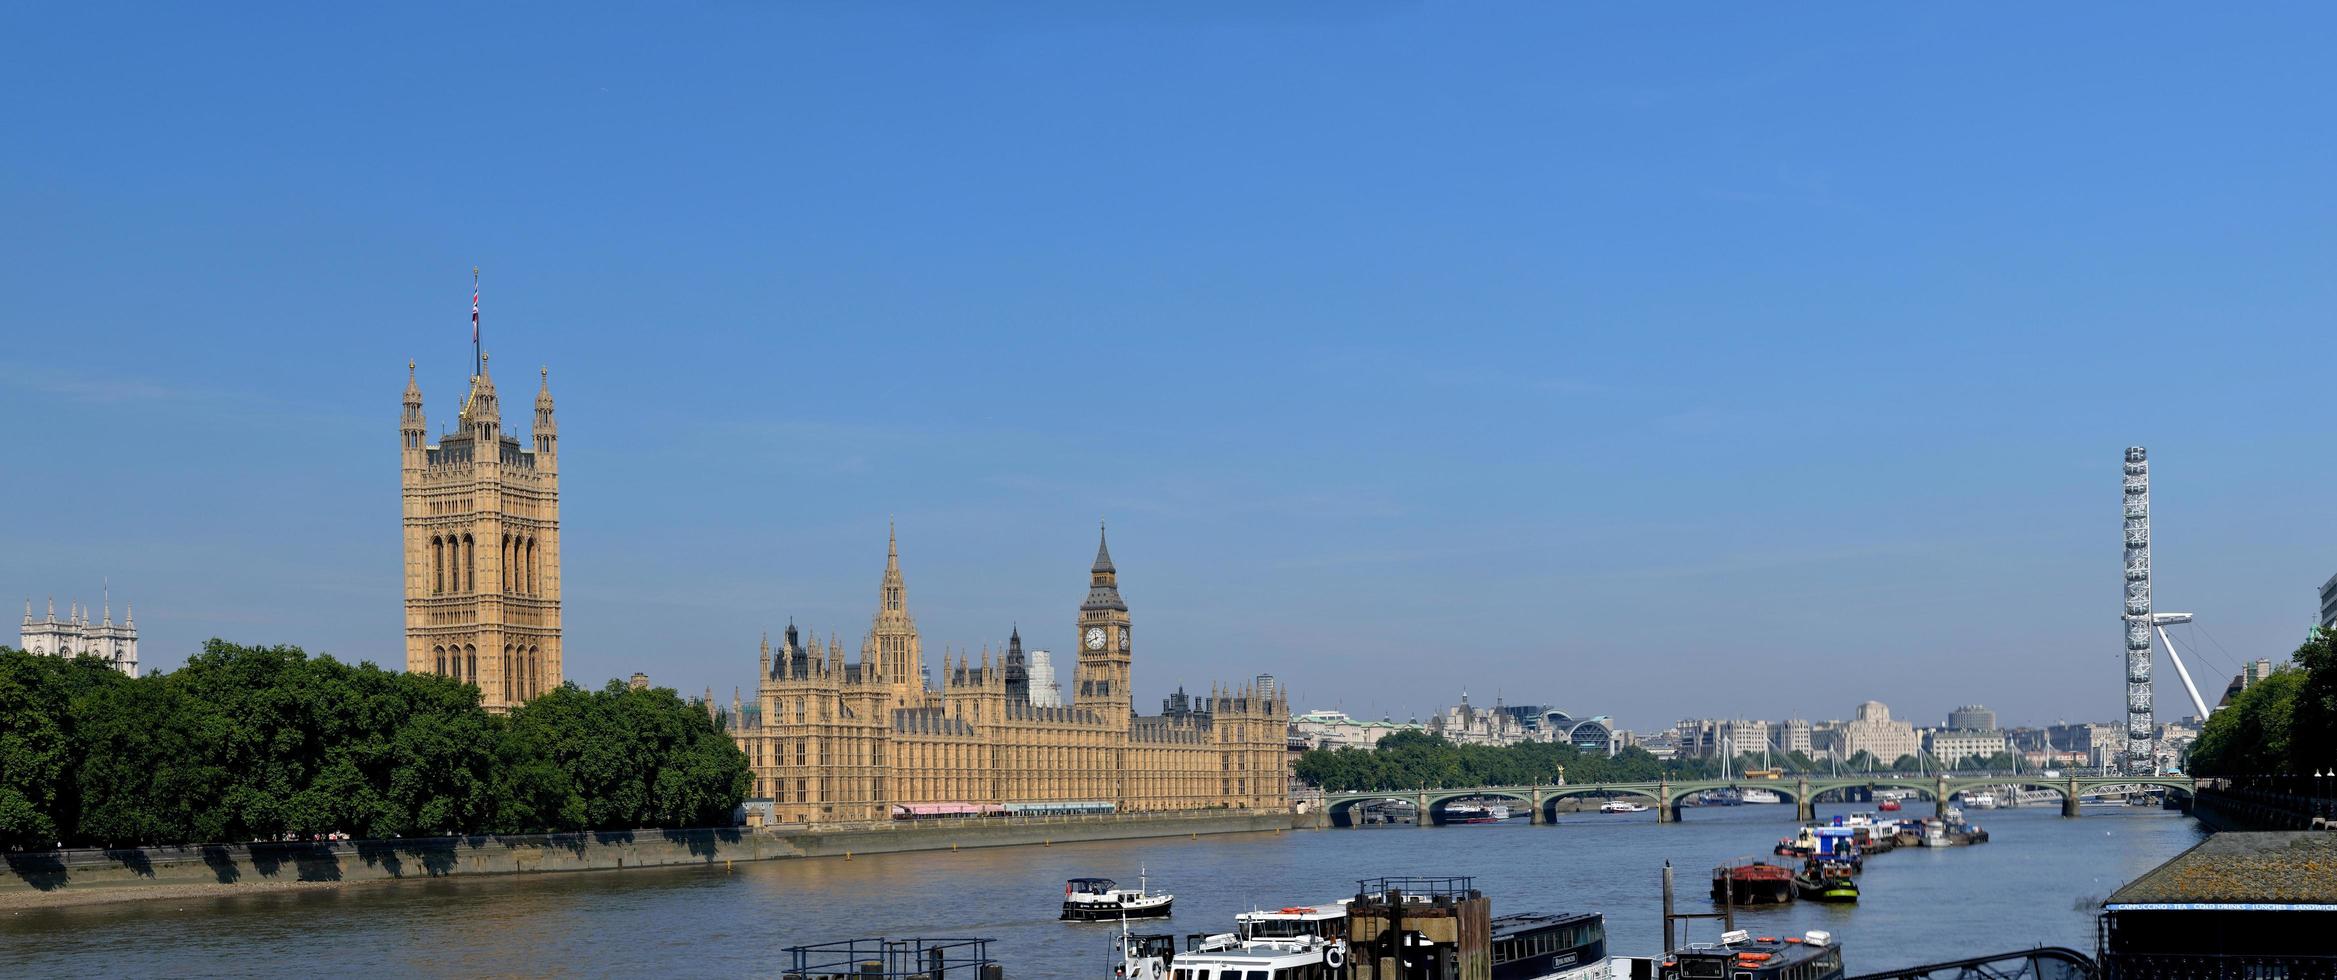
{"x":1104,"y":645}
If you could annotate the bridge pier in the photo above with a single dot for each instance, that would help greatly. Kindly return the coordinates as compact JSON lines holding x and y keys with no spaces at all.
{"x":2069,"y":799}
{"x":1534,"y":816}
{"x":1804,"y":809}
{"x":1665,"y":810}
{"x":1939,"y":797}
{"x":1420,"y":817}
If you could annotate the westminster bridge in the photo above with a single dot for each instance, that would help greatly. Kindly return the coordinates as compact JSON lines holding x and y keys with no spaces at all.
{"x":1667,"y":796}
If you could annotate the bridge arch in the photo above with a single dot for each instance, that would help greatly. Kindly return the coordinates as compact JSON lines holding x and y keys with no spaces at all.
{"x":1438,"y":799}
{"x":1340,"y":807}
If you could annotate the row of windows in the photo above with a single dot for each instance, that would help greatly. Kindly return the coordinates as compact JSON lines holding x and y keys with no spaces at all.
{"x":454,"y":565}
{"x":523,"y":668}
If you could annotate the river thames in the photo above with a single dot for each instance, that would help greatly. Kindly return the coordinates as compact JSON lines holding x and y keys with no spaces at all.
{"x":2035,"y":883}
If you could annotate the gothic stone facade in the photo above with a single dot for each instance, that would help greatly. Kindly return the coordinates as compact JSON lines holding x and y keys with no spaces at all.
{"x":482,"y":529}
{"x":78,"y":636}
{"x":834,"y":742}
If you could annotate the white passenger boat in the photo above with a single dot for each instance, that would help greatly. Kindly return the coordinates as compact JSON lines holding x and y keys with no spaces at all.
{"x":1761,"y":796}
{"x":1980,"y":801}
{"x":1623,"y":806}
{"x":1101,"y":899}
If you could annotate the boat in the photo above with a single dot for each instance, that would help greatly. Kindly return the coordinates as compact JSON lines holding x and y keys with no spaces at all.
{"x":1099,"y":899}
{"x":1887,"y":805}
{"x":1719,"y":797}
{"x":1153,"y":956}
{"x":1314,"y":942}
{"x":1824,"y":882}
{"x":1623,"y":806}
{"x":1980,"y":801}
{"x":1740,"y":955}
{"x":1751,"y":796}
{"x":1800,"y":846}
{"x":1745,"y":881}
{"x":1476,"y":813}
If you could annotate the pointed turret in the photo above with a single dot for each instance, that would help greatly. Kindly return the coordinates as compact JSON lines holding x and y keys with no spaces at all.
{"x":1103,"y":590}
{"x":1016,"y":668}
{"x":764,"y":657}
{"x":411,"y":430}
{"x":547,"y":432}
{"x":52,"y":609}
{"x":482,"y":414}
{"x":28,"y":611}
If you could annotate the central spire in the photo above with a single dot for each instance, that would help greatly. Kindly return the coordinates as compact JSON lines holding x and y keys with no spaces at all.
{"x":1103,"y":588}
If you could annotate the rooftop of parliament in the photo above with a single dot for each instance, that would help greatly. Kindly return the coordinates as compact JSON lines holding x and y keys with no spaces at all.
{"x":832,"y":741}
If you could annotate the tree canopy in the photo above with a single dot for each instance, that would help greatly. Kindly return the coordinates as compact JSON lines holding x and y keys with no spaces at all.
{"x":1407,"y":760}
{"x":261,"y":743}
{"x":2283,"y":724}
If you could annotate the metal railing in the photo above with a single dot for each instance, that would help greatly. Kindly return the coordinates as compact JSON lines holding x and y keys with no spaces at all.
{"x":927,"y":959}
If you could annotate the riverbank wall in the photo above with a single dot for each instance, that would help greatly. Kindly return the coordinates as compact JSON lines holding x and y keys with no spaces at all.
{"x":71,"y":876}
{"x":2252,"y":809}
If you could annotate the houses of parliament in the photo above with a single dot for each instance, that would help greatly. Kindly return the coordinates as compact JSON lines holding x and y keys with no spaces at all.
{"x":832,"y":741}
{"x":829,"y":741}
{"x":482,"y":530}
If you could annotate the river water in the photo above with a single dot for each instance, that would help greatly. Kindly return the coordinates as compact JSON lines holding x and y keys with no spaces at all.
{"x":2036,"y":882}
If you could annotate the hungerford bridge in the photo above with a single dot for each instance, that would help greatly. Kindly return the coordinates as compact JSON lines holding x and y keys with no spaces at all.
{"x":1667,"y":796}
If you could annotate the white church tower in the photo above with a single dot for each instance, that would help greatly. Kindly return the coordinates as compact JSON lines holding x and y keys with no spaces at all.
{"x":77,"y":636}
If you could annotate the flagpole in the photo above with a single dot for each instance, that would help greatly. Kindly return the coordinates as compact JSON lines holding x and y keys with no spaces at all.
{"x":478,"y":360}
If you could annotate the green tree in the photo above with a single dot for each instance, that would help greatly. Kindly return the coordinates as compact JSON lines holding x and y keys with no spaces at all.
{"x":620,"y":758}
{"x":2253,"y":735}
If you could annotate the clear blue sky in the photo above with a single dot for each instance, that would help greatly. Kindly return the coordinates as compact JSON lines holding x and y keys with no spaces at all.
{"x":1689,"y":362}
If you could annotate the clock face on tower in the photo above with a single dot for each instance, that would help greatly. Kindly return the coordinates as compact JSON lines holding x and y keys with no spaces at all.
{"x":1095,"y":637}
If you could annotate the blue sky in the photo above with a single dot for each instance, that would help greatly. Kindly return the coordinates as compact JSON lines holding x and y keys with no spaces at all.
{"x":1671,"y":363}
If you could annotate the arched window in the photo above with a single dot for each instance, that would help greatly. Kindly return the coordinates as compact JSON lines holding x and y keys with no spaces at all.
{"x":535,"y":586}
{"x":471,"y":664}
{"x":470,"y":564}
{"x":437,"y":565}
{"x":535,"y":672}
{"x":439,"y":653}
{"x":510,"y":674}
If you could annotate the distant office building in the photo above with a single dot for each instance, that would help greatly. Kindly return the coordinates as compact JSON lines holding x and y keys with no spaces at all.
{"x":1874,"y":733}
{"x":1335,"y":730}
{"x":1972,"y":718}
{"x":77,"y":636}
{"x":1949,"y":746}
{"x":2250,"y":673}
{"x":2026,"y":739}
{"x":1045,"y":693}
{"x":1466,"y":724}
{"x":1796,"y":735}
{"x":2094,"y":743}
{"x":1267,"y":687}
{"x":1593,"y":734}
{"x":2329,"y":603}
{"x":1826,"y":739}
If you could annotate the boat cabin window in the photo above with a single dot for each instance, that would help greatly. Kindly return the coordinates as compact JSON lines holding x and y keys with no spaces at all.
{"x":1281,"y":928}
{"x":1702,"y":969}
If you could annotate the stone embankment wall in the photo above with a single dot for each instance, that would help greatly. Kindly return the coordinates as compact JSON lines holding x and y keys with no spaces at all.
{"x":2248,"y":809}
{"x":226,"y":866}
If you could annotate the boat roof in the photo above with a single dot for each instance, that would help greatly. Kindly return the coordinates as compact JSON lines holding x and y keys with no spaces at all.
{"x":1327,"y":910}
{"x":1260,"y":953}
{"x":2289,"y":870}
{"x":1090,"y":881}
{"x":1779,"y":949}
{"x":1517,"y":922}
